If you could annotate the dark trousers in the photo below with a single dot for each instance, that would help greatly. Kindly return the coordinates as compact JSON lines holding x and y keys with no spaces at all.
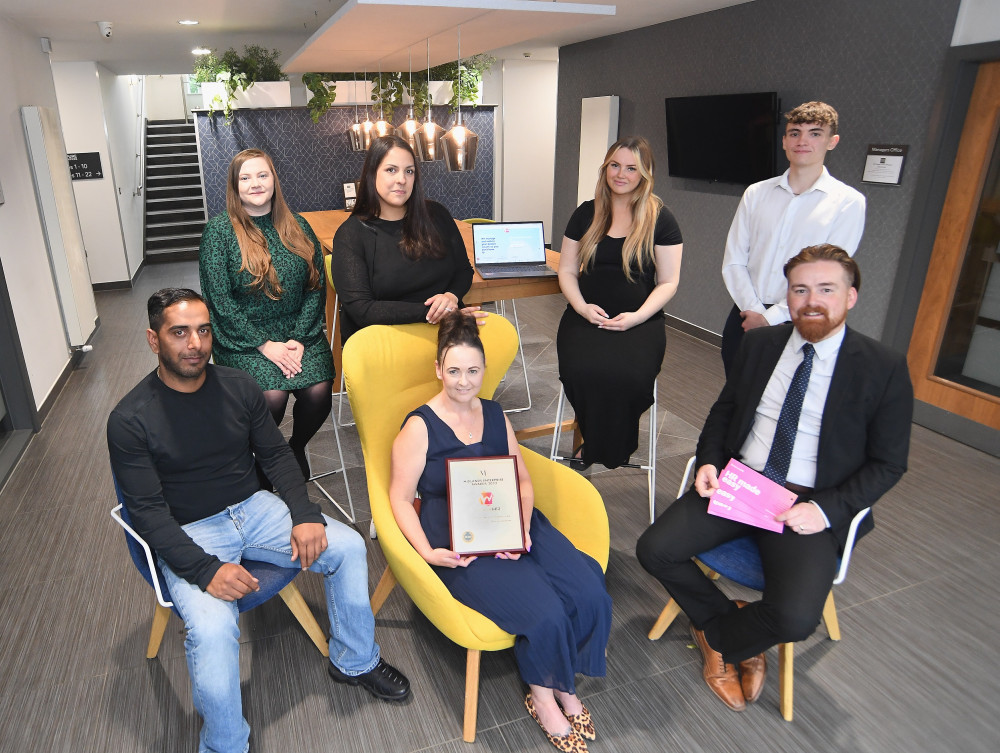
{"x":798,"y":573}
{"x":732,"y":336}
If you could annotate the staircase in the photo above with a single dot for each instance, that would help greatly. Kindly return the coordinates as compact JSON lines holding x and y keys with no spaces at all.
{"x":175,"y":203}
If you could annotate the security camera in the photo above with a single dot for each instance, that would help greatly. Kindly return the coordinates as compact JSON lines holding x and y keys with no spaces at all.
{"x":105,"y":28}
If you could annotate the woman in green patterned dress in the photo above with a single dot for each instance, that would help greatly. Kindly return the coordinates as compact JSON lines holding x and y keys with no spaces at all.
{"x":261,"y":275}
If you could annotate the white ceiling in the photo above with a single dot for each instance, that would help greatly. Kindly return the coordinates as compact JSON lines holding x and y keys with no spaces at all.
{"x":148,"y":39}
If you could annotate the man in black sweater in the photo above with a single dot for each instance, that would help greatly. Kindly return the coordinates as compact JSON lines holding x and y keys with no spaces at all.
{"x":182,"y":445}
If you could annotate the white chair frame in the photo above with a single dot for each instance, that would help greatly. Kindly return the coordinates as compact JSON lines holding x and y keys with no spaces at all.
{"x":786,"y":653}
{"x":650,"y":465}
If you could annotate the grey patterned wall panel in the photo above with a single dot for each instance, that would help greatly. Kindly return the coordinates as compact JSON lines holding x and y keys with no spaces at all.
{"x":313,"y":160}
{"x":878,"y":62}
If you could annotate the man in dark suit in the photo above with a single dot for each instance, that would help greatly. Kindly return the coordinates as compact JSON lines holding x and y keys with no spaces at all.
{"x":812,"y":405}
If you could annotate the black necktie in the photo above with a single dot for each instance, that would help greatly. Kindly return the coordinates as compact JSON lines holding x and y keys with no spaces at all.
{"x":780,"y":456}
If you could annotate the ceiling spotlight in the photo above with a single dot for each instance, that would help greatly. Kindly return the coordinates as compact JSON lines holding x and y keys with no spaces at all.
{"x":188,"y":22}
{"x":200,"y":51}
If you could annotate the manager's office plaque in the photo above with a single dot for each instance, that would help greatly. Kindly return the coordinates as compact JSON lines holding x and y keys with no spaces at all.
{"x":484,"y":505}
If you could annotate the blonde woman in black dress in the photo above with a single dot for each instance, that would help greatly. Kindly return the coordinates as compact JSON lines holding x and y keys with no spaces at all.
{"x":619,"y":266}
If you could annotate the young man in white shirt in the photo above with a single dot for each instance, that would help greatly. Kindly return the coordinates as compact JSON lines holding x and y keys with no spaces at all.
{"x":777,"y":218}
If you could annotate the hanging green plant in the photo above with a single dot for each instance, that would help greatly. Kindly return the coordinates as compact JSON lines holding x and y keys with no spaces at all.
{"x":324,"y":92}
{"x":387,"y":93}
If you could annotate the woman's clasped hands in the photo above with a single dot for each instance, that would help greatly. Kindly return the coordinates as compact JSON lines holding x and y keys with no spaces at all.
{"x":287,"y":356}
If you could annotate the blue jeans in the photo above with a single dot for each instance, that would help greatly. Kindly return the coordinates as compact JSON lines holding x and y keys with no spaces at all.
{"x":260,"y":528}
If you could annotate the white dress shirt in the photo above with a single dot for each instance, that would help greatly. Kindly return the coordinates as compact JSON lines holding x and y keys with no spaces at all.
{"x":772,"y":224}
{"x":802,"y":469}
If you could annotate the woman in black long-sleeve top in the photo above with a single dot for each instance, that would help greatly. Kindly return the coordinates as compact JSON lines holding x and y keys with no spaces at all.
{"x":398,"y":258}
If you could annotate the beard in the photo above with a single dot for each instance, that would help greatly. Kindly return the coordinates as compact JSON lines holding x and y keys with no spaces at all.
{"x":183,"y":369}
{"x":814,"y":329}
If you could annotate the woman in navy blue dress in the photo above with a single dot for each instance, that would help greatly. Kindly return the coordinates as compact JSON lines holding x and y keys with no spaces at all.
{"x":552,"y":597}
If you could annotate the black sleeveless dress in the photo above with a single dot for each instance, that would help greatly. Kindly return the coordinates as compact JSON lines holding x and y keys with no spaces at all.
{"x":552,"y":598}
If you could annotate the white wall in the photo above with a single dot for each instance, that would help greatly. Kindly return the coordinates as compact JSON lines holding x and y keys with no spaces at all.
{"x":122,"y":97}
{"x":978,"y":21}
{"x":165,"y":98}
{"x":529,"y":133}
{"x":81,"y":110}
{"x":27,"y":80}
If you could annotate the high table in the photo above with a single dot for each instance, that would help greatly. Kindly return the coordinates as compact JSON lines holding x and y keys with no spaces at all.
{"x":325,"y":224}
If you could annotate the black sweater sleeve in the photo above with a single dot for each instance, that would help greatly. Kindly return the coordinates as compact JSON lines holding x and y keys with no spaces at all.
{"x":142,"y":494}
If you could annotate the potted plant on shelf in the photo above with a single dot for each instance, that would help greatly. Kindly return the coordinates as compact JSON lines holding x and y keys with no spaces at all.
{"x":254,"y":79}
{"x":448,"y":79}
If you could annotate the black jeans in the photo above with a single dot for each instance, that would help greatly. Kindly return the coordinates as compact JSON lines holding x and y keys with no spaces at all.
{"x":798,"y":572}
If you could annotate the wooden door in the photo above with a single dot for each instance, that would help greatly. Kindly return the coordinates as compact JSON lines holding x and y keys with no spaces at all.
{"x":954,"y":353}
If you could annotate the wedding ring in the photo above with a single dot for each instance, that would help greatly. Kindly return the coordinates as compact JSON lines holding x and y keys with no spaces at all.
{"x":449,"y":309}
{"x":800,"y":528}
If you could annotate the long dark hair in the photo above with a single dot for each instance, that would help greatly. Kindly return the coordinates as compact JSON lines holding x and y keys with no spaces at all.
{"x":420,"y":238}
{"x":456,"y":328}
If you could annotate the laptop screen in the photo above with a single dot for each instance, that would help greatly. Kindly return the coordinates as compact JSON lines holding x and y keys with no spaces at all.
{"x":508,"y":242}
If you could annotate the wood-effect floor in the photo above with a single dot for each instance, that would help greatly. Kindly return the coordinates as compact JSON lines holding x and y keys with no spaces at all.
{"x":917,"y":669}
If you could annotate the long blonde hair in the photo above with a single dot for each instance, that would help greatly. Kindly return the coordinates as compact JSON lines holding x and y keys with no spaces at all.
{"x":254,"y":253}
{"x":644,"y":206}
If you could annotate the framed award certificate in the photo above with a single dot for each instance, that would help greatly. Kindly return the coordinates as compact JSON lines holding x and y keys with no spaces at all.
{"x":484,"y":505}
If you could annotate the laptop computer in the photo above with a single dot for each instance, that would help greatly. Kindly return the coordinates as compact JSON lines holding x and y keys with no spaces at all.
{"x":510,"y":249}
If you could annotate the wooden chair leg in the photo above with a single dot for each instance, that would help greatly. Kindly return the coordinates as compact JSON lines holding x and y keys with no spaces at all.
{"x":707,"y":570}
{"x":385,"y":585}
{"x":160,"y":616}
{"x":786,"y":673}
{"x":292,"y":597}
{"x":830,"y":618}
{"x":663,"y":621}
{"x":471,"y":695}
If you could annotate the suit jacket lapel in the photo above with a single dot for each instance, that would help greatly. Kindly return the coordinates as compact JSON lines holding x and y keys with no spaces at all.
{"x":845,"y":374}
{"x":770,"y":351}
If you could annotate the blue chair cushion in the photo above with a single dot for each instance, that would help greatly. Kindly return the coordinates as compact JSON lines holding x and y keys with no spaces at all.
{"x":272,"y":578}
{"x":738,"y":560}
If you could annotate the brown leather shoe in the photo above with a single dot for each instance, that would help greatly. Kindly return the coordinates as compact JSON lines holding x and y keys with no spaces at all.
{"x":722,"y":678}
{"x":752,"y":674}
{"x":753,"y":671}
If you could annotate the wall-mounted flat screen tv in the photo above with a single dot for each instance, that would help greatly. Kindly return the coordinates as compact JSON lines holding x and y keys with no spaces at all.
{"x":730,"y":138}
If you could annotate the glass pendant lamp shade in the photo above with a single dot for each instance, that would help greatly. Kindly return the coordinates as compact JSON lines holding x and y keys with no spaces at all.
{"x":368,"y":132}
{"x":459,"y":146}
{"x":408,"y":128}
{"x":408,"y":131}
{"x":429,"y":140}
{"x":382,"y":127}
{"x":356,"y":136}
{"x":354,"y":131}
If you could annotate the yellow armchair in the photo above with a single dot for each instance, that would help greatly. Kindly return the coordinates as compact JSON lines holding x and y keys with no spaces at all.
{"x":389,"y":371}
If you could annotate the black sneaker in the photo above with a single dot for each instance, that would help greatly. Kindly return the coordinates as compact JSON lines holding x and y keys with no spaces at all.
{"x":384,"y":681}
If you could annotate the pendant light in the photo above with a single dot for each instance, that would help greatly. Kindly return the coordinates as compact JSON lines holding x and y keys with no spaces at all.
{"x":382,"y":127}
{"x":354,"y":134}
{"x":408,"y":130}
{"x":367,"y":128}
{"x":460,"y":143}
{"x":430,"y":133}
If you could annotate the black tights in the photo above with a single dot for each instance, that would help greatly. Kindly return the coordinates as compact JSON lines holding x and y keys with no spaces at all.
{"x":311,"y":408}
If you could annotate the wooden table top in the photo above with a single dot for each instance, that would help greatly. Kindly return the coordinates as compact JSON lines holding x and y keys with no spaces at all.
{"x":325,"y":224}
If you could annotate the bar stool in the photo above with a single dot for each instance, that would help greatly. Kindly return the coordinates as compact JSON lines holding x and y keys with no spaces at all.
{"x":502,"y":311}
{"x":649,"y":467}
